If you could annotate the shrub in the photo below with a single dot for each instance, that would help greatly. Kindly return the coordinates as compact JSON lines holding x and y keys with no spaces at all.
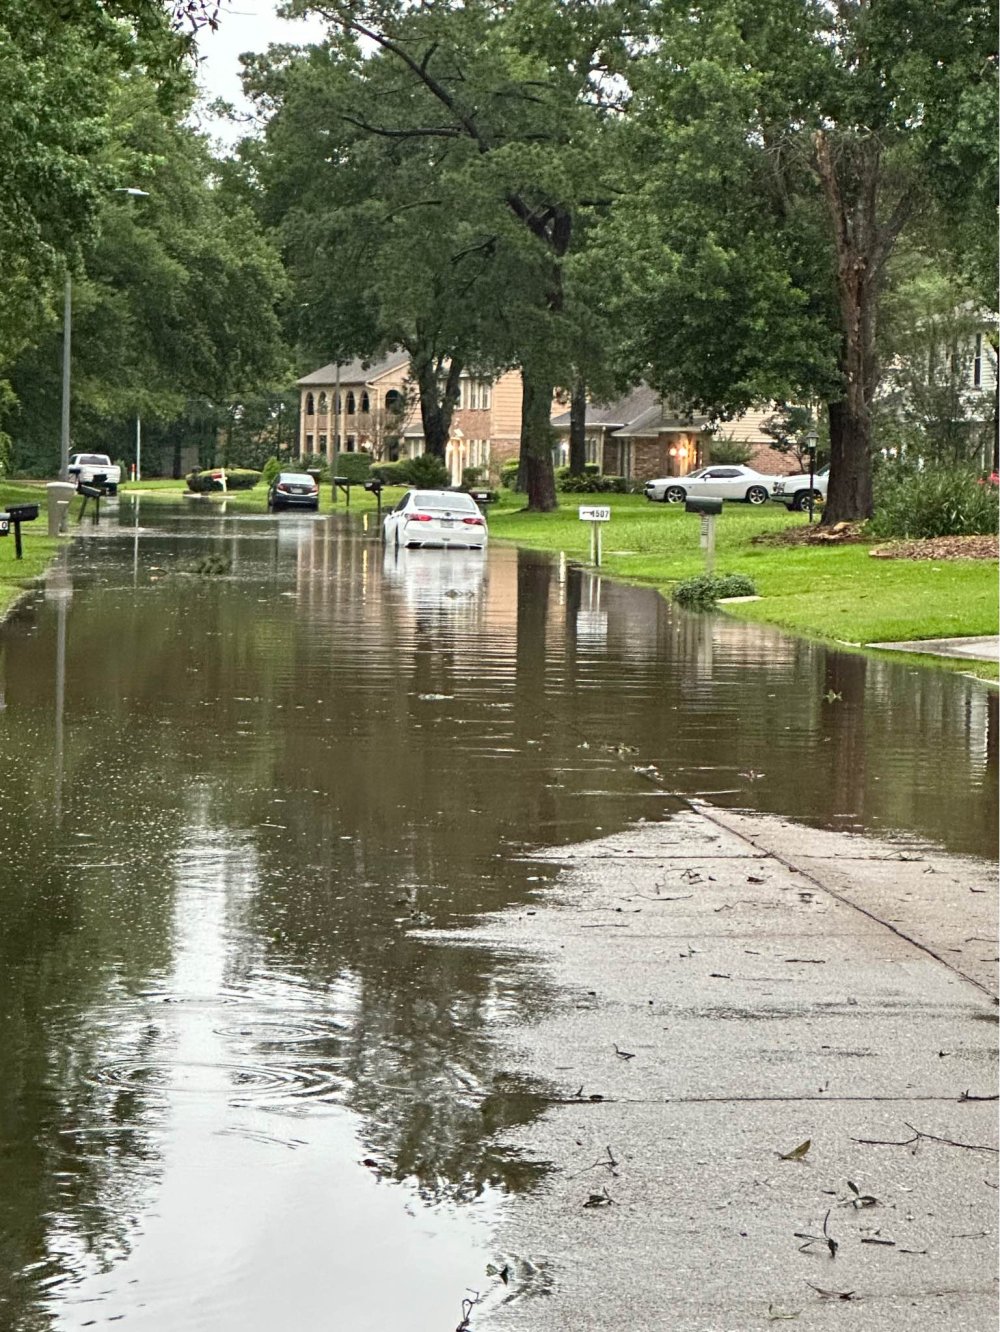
{"x":309,"y":462}
{"x":933,"y":503}
{"x":589,"y":484}
{"x":237,"y":478}
{"x":730,"y":451}
{"x":706,"y":589}
{"x":354,"y":466}
{"x":471,"y":477}
{"x":429,"y":473}
{"x":508,"y":473}
{"x":392,"y":473}
{"x":270,"y":470}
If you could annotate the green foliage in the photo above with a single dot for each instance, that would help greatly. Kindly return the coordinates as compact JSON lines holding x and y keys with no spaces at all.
{"x":270,"y":470}
{"x":310,"y":462}
{"x":355,"y":466}
{"x":471,"y":477}
{"x":237,"y":478}
{"x":703,"y":591}
{"x":933,"y":503}
{"x":392,"y":473}
{"x":428,"y":473}
{"x":589,"y":484}
{"x":731,"y":451}
{"x":509,"y":472}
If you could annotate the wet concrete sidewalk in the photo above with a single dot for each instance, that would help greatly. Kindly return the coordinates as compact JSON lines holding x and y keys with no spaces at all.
{"x":733,"y":988}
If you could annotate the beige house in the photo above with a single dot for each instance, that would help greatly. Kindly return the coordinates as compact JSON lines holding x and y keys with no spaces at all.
{"x":373,"y":407}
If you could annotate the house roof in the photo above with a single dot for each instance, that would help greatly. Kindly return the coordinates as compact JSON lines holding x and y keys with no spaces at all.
{"x":614,"y":414}
{"x":354,"y":372}
{"x":660,"y":419}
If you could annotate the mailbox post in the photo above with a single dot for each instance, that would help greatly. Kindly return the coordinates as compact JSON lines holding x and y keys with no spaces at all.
{"x":709,"y":509}
{"x":374,"y":487}
{"x":596,"y":515}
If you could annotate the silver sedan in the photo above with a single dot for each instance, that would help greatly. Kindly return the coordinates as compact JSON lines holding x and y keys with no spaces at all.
{"x":721,"y":482}
{"x":441,"y":518}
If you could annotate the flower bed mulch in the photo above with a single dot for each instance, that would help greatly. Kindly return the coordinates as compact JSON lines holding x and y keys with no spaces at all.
{"x":941,"y":548}
{"x":813,"y":535}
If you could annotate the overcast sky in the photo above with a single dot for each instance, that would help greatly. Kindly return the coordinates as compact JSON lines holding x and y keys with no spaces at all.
{"x":244,"y":25}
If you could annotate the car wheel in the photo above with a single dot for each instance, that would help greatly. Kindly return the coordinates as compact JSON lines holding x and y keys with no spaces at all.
{"x":674,"y":495}
{"x":756,"y":495}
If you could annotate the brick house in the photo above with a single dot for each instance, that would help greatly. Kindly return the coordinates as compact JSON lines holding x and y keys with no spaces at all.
{"x":639,"y":437}
{"x":372,"y":407}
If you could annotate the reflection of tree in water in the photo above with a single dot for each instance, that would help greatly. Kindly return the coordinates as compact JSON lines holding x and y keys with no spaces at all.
{"x":80,"y":1156}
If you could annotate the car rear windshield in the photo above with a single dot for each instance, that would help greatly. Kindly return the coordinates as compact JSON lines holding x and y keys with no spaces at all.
{"x":95,"y":459}
{"x":443,"y":503}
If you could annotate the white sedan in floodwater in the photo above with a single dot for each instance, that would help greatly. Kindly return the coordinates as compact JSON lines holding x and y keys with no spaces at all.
{"x":442,"y":518}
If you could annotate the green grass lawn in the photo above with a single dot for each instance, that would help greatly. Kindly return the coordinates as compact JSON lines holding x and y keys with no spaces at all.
{"x":39,"y":548}
{"x":838,"y":593}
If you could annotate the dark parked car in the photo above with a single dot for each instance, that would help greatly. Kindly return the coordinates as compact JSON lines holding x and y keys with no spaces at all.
{"x":293,"y":490}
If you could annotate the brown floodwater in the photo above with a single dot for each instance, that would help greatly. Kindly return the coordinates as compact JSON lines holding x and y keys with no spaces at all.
{"x":246,"y":762}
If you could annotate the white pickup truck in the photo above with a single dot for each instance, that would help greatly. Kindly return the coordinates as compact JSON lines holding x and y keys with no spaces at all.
{"x":793,"y":491}
{"x":83,"y":467}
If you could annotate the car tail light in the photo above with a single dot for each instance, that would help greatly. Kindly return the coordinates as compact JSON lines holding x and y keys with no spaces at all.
{"x":283,"y":489}
{"x":474,"y":522}
{"x":418,"y":517}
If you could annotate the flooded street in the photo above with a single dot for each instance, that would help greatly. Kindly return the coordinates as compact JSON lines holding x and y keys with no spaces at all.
{"x":245,"y":759}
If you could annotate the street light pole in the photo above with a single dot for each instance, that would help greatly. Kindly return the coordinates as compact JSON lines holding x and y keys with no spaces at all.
{"x":135,"y":193}
{"x":812,"y":439}
{"x":67,"y":339}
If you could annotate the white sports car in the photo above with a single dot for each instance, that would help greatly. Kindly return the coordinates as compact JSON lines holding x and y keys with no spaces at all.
{"x":441,"y":518}
{"x":724,"y":481}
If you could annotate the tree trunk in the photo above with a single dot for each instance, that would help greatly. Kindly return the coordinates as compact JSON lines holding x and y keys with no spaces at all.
{"x":436,"y":408}
{"x":862,"y":245}
{"x":536,"y":476}
{"x":578,"y":429}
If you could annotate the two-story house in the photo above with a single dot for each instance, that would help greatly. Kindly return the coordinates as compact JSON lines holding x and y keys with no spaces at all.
{"x":373,"y":407}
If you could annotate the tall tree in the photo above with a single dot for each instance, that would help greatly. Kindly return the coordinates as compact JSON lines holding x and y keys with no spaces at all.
{"x":841,"y":126}
{"x":513,"y":88}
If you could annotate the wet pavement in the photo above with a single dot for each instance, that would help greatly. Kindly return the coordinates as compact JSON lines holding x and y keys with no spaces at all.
{"x":770,"y":1099}
{"x":249,"y":766}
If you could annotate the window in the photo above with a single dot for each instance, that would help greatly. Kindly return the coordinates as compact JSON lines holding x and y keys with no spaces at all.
{"x":322,"y":404}
{"x":365,"y":404}
{"x":351,"y":442}
{"x":592,"y":451}
{"x":350,"y":404}
{"x":394,"y":402}
{"x":479,"y":453}
{"x":322,"y":443}
{"x":474,"y":395}
{"x":309,"y":443}
{"x":977,"y":363}
{"x":310,"y":405}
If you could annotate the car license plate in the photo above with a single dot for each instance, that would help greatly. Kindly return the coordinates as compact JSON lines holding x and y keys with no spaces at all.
{"x":447,"y":522}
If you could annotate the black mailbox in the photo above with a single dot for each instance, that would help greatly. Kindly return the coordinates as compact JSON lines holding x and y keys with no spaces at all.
{"x":702,"y":504}
{"x":89,"y":490}
{"x":483,"y":496}
{"x":374,"y":485}
{"x":17,"y":514}
{"x":21,"y":513}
